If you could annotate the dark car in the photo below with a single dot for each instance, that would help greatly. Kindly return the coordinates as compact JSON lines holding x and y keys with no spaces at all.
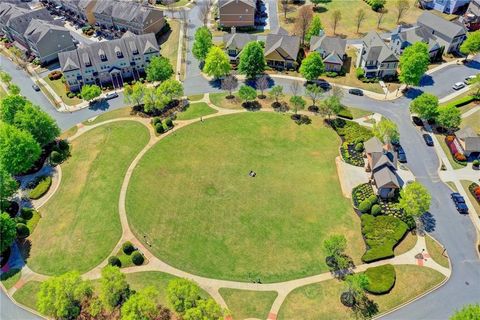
{"x":402,"y":157}
{"x":428,"y":139}
{"x":321,"y":83}
{"x":356,"y":92}
{"x":35,"y":87}
{"x":459,"y":202}
{"x":417,"y":121}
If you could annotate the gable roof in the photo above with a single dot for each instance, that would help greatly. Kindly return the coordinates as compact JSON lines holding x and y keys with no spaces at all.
{"x":386,"y":177}
{"x":238,"y":40}
{"x":420,"y":34}
{"x":279,"y":30}
{"x":467,"y":132}
{"x":472,"y":144}
{"x":375,"y":49}
{"x":37,"y":29}
{"x":373,"y":145}
{"x":18,"y":17}
{"x":290,"y":45}
{"x":331,"y":48}
{"x":440,"y":25}
{"x":222,"y":3}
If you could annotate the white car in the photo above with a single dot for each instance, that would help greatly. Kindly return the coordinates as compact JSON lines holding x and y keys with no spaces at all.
{"x":111,"y":95}
{"x":458,"y":86}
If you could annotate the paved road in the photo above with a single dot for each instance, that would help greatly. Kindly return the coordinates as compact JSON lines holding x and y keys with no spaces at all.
{"x":10,"y":311}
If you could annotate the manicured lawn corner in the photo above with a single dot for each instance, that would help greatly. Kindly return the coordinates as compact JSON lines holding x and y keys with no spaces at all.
{"x":443,"y":144}
{"x":178,"y":3}
{"x":126,"y":259}
{"x":10,"y":277}
{"x":452,"y":186}
{"x":114,"y":114}
{"x":59,"y":87}
{"x":322,"y":300}
{"x":27,"y":295}
{"x":406,"y":245}
{"x":245,"y":304}
{"x":169,"y":42}
{"x":33,"y":222}
{"x":196,"y":110}
{"x":359,"y":113}
{"x":195,"y":97}
{"x":220,"y":100}
{"x":68,"y":133}
{"x":80,"y":223}
{"x":436,"y":252}
{"x":48,"y":94}
{"x":465,"y":185}
{"x":3,"y":93}
{"x":473,"y":121}
{"x":230,"y":219}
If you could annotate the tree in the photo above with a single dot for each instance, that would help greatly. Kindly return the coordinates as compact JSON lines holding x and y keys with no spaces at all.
{"x":39,"y":123}
{"x":304,"y":16}
{"x":205,"y":309}
{"x":415,"y":199}
{"x":335,"y":245}
{"x":18,"y":149}
{"x":425,"y":105}
{"x":217,"y":63}
{"x":171,"y":89}
{"x":8,"y":185}
{"x":262,"y":85}
{"x":331,"y":106}
{"x":202,"y":43}
{"x":182,"y":294}
{"x":5,"y":77}
{"x":90,"y":92}
{"x":60,"y":297}
{"x":468,"y":312}
{"x":386,"y":130}
{"x":8,"y":231}
{"x":401,"y":6}
{"x":151,"y":100}
{"x":159,"y":69}
{"x":315,"y":92}
{"x":276,"y":93}
{"x":9,"y":106}
{"x":317,"y":2}
{"x":356,"y":285}
{"x":359,"y":18}
{"x":134,"y":94}
{"x":414,"y":63}
{"x":252,"y":60}
{"x":247,"y":93}
{"x":285,"y":7}
{"x":472,"y":44}
{"x":114,"y":289}
{"x":229,"y":83}
{"x":377,"y":4}
{"x":14,"y":89}
{"x":141,"y":305}
{"x":312,"y":66}
{"x":449,"y":117}
{"x":336,"y":17}
{"x":298,"y":103}
{"x":380,"y":14}
{"x":204,"y":12}
{"x":314,"y":29}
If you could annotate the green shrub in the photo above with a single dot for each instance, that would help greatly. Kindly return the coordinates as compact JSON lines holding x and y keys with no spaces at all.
{"x":345,"y":113}
{"x":156,"y":120}
{"x":137,"y":258}
{"x":365,"y":206}
{"x":331,"y":74}
{"x":70,"y":95}
{"x":159,"y":128}
{"x":22,"y":231}
{"x":359,"y":73}
{"x":169,"y":123}
{"x":128,"y":248}
{"x":359,"y":147}
{"x":373,"y":199}
{"x":382,"y":279}
{"x":63,"y":146}
{"x":20,"y":220}
{"x":462,"y":101}
{"x":376,"y":210}
{"x":27,"y":213}
{"x":114,"y":261}
{"x":476,"y":163}
{"x":352,"y":132}
{"x":41,"y":188}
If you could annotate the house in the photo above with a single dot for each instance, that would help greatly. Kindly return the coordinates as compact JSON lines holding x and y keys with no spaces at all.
{"x":471,"y":18}
{"x":402,"y":38}
{"x":445,"y":6}
{"x":449,"y":35}
{"x":376,"y":58}
{"x":468,"y":140}
{"x":134,"y":17}
{"x":85,"y":12}
{"x":109,"y":62}
{"x":237,"y":13}
{"x":234,"y":43}
{"x":282,"y":51}
{"x":332,"y":50}
{"x":381,"y":162}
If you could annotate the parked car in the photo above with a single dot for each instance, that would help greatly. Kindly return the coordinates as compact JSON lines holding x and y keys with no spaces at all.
{"x":356,"y":92}
{"x":402,"y":157}
{"x":321,"y":83}
{"x":458,"y":86}
{"x":469,"y":79}
{"x":111,"y":95}
{"x":428,"y":139}
{"x":35,"y":87}
{"x":417,"y":121}
{"x":459,"y":202}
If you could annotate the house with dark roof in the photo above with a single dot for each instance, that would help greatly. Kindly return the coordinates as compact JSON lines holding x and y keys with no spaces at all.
{"x":402,"y":38}
{"x":332,"y":50}
{"x":449,"y":35}
{"x":471,"y":18}
{"x":282,"y":51}
{"x":445,"y":6}
{"x":382,"y":163}
{"x":468,"y":140}
{"x":235,"y":42}
{"x":376,"y":58}
{"x":237,"y":13}
{"x":109,"y":62}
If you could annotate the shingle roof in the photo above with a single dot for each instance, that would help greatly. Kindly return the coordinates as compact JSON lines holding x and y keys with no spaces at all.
{"x":441,"y":25}
{"x":373,"y":145}
{"x":418,"y":34}
{"x":466,"y":132}
{"x":222,"y":3}
{"x":386,"y":177}
{"x":376,"y":49}
{"x":472,"y":144}
{"x":126,"y":11}
{"x":37,"y":29}
{"x":239,"y":40}
{"x":289,"y":44}
{"x":332,"y":48}
{"x":19,"y":18}
{"x":279,"y":30}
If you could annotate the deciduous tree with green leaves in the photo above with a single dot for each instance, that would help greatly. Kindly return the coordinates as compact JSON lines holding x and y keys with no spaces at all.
{"x":298,"y":103}
{"x":5,"y":77}
{"x":8,"y":231}
{"x":335,"y":245}
{"x":247,"y":93}
{"x":134,"y":93}
{"x":204,"y":309}
{"x":182,"y":294}
{"x":14,"y":89}
{"x":202,"y":43}
{"x":142,"y":305}
{"x":314,"y":28}
{"x":9,"y":106}
{"x":114,"y":289}
{"x":90,"y":92}
{"x":276,"y":93}
{"x":39,"y":123}
{"x":449,"y":117}
{"x":159,"y":69}
{"x":386,"y":130}
{"x":414,"y":63}
{"x":468,"y":312}
{"x":8,"y":185}
{"x":252,"y":60}
{"x":415,"y":199}
{"x":471,"y":45}
{"x":217,"y":63}
{"x":356,"y":284}
{"x":425,"y":105}
{"x":315,"y":92}
{"x":312,"y":66}
{"x":171,"y":89}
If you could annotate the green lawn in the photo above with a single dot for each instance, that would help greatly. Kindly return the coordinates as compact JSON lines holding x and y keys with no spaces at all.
{"x":195,"y":97}
{"x":33,"y":222}
{"x":436,"y":252}
{"x":359,"y":113}
{"x":472,"y":121}
{"x":406,"y":245}
{"x":59,"y":87}
{"x":114,"y":114}
{"x":245,"y":304}
{"x":10,"y":277}
{"x":195,"y":110}
{"x":80,"y":224}
{"x":3,"y":93}
{"x":169,"y":43}
{"x":27,"y":295}
{"x":452,"y":186}
{"x":322,"y":300}
{"x":192,"y":197}
{"x":465,"y":185}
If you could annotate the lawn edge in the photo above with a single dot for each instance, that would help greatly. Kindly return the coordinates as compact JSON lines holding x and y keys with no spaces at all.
{"x":18,"y":304}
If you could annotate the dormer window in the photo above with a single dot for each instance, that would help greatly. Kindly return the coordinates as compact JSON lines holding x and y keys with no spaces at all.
{"x":118,"y":52}
{"x":102,"y":55}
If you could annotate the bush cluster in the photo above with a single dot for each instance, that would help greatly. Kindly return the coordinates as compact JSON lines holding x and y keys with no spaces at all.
{"x":128,"y":248}
{"x":281,"y":106}
{"x":22,"y":231}
{"x":345,"y":113}
{"x":352,"y":132}
{"x":359,"y":73}
{"x":114,"y":261}
{"x":42,"y":186}
{"x":301,"y":119}
{"x":60,"y":152}
{"x":474,"y":189}
{"x":55,"y":75}
{"x":460,"y":157}
{"x":376,"y":4}
{"x":350,"y":155}
{"x":137,"y":258}
{"x":382,"y":279}
{"x":27,"y":213}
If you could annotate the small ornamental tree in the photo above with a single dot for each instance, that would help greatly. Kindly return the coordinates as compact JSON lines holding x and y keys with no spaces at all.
{"x":386,"y":130}
{"x":159,"y":69}
{"x":314,"y":28}
{"x":312,"y":66}
{"x":142,"y":305}
{"x":425,"y":105}
{"x":182,"y":294}
{"x":137,"y":258}
{"x":335,"y":245}
{"x":134,"y":93}
{"x":449,"y":117}
{"x":247,"y":93}
{"x":202,"y":43}
{"x":8,"y":231}
{"x":90,"y":92}
{"x":415,"y":200}
{"x":204,"y":309}
{"x":471,"y":45}
{"x":229,"y":83}
{"x":414,"y":63}
{"x":298,"y":103}
{"x":276,"y":93}
{"x":262,"y":85}
{"x":217,"y":63}
{"x":8,"y":185}
{"x":252,"y":60}
{"x":315,"y":92}
{"x":356,"y":284}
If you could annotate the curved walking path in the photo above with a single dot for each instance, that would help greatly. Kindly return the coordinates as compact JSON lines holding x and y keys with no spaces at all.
{"x":210,"y":285}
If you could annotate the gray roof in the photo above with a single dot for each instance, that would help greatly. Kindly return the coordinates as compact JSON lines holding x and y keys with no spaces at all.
{"x":474,"y":7}
{"x":418,"y":34}
{"x":386,"y":177}
{"x":472,"y":144}
{"x":440,"y":25}
{"x":239,"y":40}
{"x":82,"y":4}
{"x":222,"y":3}
{"x":331,"y":48}
{"x":289,"y":44}
{"x":127,"y":11}
{"x":467,"y":132}
{"x":279,"y":30}
{"x":18,"y":18}
{"x":37,"y":29}
{"x":375,"y":49}
{"x":373,"y":145}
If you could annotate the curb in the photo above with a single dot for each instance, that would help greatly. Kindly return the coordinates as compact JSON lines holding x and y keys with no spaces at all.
{"x":35,"y":312}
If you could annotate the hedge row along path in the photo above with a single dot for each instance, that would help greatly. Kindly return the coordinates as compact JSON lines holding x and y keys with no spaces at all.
{"x":212,"y":286}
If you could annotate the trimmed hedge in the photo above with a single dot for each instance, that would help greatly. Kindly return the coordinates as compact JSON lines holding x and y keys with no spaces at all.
{"x":114,"y":261}
{"x":376,"y":210}
{"x":345,"y":113}
{"x":128,"y":248}
{"x":27,"y":213}
{"x":41,"y":188}
{"x":382,"y":279}
{"x":381,"y":235}
{"x":462,"y":101}
{"x":22,"y":231}
{"x":365,"y":206}
{"x":137,"y":258}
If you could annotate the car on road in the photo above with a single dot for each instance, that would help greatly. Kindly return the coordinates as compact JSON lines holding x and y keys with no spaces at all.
{"x":321,"y":83}
{"x":417,"y":121}
{"x":459,"y":202}
{"x":402,"y":157}
{"x":111,"y":95}
{"x":469,"y":79}
{"x":356,"y":92}
{"x":35,"y":87}
{"x":458,"y":86}
{"x":428,"y":139}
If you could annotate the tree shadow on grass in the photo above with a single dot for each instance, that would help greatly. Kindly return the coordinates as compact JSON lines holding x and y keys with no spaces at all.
{"x":365,"y":308}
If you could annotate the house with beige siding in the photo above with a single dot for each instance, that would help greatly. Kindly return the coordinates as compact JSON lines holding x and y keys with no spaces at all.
{"x":282,"y":51}
{"x":237,"y":13}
